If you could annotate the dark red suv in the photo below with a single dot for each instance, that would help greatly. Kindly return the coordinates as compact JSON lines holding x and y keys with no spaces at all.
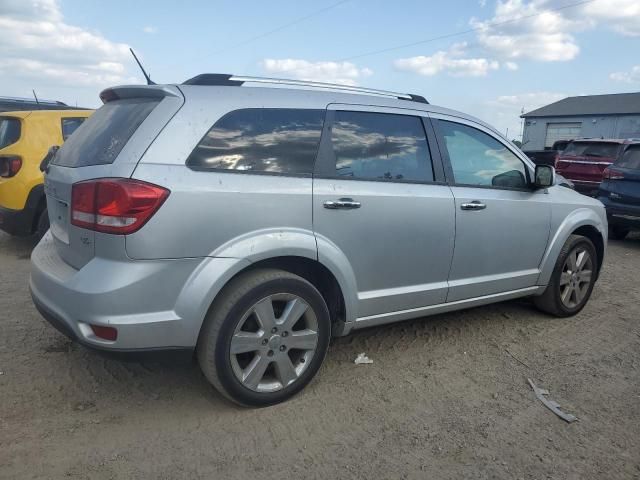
{"x":584,"y":161}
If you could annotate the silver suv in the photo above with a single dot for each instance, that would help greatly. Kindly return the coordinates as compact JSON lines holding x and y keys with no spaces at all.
{"x":251,"y":219}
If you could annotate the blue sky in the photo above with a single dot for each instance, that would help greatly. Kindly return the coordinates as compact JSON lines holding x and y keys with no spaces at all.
{"x":71,"y":49}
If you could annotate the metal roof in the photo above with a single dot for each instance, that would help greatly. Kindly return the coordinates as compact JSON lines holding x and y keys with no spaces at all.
{"x":612,"y":104}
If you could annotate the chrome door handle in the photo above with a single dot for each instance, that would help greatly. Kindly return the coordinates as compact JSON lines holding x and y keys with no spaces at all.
{"x":342,"y":203}
{"x":475,"y":205}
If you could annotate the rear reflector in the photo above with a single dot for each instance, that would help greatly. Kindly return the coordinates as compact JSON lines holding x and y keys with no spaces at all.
{"x":115,"y":205}
{"x":9,"y":165}
{"x":106,"y":333}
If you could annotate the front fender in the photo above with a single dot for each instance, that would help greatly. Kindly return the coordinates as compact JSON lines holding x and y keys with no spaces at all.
{"x":576,"y":219}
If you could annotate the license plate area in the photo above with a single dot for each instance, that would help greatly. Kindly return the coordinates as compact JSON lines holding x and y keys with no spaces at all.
{"x":59,"y":219}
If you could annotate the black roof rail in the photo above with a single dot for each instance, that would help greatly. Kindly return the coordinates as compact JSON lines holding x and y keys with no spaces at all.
{"x":224,"y":79}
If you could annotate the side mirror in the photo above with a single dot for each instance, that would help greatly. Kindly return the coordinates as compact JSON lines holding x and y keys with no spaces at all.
{"x":545,"y":176}
{"x":44,"y":164}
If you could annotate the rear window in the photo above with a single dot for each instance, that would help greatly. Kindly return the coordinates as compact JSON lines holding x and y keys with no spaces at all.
{"x":9,"y":131}
{"x":266,"y":140}
{"x":99,"y":139}
{"x":592,"y":149}
{"x":630,"y":159}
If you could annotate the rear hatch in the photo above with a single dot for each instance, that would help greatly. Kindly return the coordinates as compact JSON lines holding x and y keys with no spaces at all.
{"x":108,"y":144}
{"x":586,"y":160}
{"x":622,"y":180}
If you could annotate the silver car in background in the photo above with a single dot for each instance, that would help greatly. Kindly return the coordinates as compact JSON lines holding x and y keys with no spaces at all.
{"x":249,"y":220}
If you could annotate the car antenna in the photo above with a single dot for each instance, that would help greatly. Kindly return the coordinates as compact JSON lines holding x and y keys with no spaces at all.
{"x":35,"y":96}
{"x":146,"y":75}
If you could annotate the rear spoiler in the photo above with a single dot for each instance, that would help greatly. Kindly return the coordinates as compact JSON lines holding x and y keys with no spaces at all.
{"x":139,"y":91}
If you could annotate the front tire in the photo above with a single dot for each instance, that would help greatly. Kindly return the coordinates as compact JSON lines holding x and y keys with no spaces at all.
{"x":618,"y":233}
{"x":264,"y":338}
{"x":572,"y":280}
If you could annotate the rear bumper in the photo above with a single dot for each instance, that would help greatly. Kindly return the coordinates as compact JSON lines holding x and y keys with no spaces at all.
{"x":140,"y":299}
{"x":171,"y":354}
{"x":21,"y":222}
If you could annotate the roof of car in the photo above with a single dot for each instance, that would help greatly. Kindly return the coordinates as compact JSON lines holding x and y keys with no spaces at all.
{"x":55,"y":113}
{"x":610,"y":104}
{"x":327,"y":95}
{"x":608,"y":140}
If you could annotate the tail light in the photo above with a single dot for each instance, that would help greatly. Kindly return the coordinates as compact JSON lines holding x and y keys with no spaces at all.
{"x":610,"y":174}
{"x":115,"y":205}
{"x":9,"y":165}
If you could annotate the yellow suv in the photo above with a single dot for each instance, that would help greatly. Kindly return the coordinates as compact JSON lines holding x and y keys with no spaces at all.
{"x":25,"y":139}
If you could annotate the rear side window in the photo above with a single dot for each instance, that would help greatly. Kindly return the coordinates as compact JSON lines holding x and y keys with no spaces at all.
{"x":592,"y":149}
{"x":69,"y":125}
{"x":479,"y":159}
{"x":9,"y":131}
{"x":99,"y":139}
{"x":380,"y":146}
{"x":630,"y":159}
{"x":272,"y":140}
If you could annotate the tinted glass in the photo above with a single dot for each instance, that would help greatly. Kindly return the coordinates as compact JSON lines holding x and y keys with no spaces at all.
{"x":479,"y":159}
{"x":380,"y":146}
{"x":9,"y":131}
{"x":262,"y":140}
{"x":630,"y":159}
{"x":69,"y":125}
{"x":99,"y":139}
{"x":592,"y":149}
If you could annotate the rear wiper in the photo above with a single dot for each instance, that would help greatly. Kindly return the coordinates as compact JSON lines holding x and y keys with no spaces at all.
{"x":44,"y":164}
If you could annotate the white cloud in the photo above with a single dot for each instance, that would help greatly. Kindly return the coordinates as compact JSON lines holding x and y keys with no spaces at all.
{"x":545,"y":37}
{"x":543,"y":30}
{"x":632,"y":76}
{"x":511,"y":66}
{"x":150,"y":29}
{"x":36,"y":44}
{"x":344,"y":73}
{"x":622,"y":15}
{"x":449,"y":61}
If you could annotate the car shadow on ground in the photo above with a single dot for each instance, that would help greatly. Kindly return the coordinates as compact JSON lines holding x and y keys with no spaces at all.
{"x":20,"y":247}
{"x":102,"y":378}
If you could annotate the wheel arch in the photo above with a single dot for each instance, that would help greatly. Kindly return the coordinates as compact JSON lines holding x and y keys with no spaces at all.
{"x":582,"y":221}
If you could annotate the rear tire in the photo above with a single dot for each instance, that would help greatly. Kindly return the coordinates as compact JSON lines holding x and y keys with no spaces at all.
{"x":572,"y":280}
{"x":42,"y":224}
{"x":264,"y":338}
{"x":618,"y":233}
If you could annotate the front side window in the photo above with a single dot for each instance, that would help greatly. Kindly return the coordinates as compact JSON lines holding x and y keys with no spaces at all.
{"x":479,"y":159}
{"x":380,"y":146}
{"x":272,"y":140}
{"x":69,"y":125}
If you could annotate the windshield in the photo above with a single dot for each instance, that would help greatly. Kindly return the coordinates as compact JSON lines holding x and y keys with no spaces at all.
{"x":592,"y":149}
{"x":630,"y":159}
{"x":9,"y":131}
{"x":99,"y":139}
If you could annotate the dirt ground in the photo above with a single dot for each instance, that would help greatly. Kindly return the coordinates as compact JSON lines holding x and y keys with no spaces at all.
{"x":446,"y":397}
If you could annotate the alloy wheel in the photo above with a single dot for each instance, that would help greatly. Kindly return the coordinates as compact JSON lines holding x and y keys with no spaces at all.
{"x":576,"y":277}
{"x":274,"y":342}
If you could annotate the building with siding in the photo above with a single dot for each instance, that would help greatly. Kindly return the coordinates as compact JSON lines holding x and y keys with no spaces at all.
{"x":599,"y":116}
